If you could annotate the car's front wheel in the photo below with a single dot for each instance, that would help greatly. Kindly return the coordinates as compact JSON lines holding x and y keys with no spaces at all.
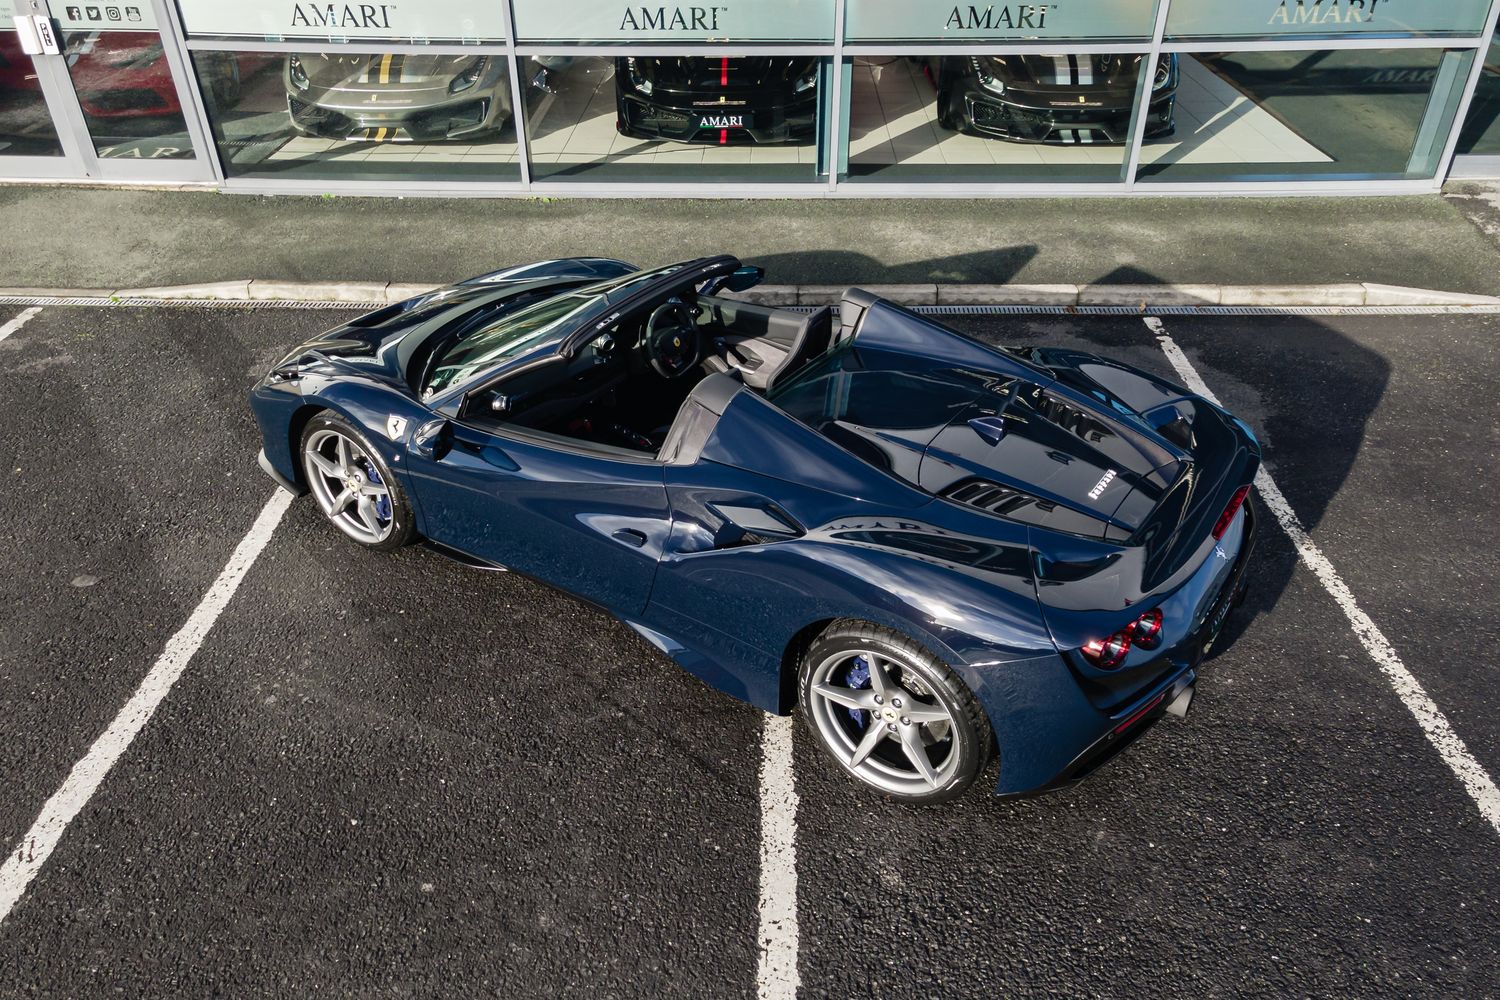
{"x":352,"y":486}
{"x":891,"y":714}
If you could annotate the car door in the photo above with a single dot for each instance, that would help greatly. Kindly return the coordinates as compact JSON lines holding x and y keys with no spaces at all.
{"x":591,"y":520}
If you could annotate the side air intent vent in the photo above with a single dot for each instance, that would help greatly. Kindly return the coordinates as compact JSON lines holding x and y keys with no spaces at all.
{"x":997,"y":499}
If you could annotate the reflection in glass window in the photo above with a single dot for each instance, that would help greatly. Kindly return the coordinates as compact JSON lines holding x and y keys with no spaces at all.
{"x":25,"y":123}
{"x":682,"y":118}
{"x":999,"y":118}
{"x":1481,"y":134}
{"x":1318,"y":114}
{"x":129,"y":99}
{"x":362,"y":116}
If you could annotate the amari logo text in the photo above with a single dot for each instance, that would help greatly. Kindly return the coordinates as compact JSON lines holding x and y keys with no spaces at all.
{"x":672,"y":18}
{"x":347,"y":15}
{"x":1005,"y":16}
{"x":1292,"y":12}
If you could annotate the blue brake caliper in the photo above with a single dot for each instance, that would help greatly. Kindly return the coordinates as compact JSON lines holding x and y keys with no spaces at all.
{"x":383,"y":504}
{"x":857,"y":675}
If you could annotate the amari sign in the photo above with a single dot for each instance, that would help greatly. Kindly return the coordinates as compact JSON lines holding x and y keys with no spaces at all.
{"x":1071,"y":20}
{"x":415,"y":20}
{"x":613,"y":22}
{"x":1332,"y":18}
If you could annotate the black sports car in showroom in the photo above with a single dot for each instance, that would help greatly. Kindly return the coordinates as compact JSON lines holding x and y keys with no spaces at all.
{"x":1062,"y":100}
{"x":720,"y":100}
{"x":937,"y":550}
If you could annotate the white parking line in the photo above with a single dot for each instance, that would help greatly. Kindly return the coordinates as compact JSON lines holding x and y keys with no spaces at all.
{"x":1450,"y":746}
{"x":26,"y":316}
{"x":776,"y":978}
{"x":37,"y":845}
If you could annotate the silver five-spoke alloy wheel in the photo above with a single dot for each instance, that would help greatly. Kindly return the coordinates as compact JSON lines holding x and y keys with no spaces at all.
{"x":883,"y":722}
{"x":348,"y":487}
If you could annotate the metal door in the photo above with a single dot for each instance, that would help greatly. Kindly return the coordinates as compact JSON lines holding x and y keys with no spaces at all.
{"x":97,"y":90}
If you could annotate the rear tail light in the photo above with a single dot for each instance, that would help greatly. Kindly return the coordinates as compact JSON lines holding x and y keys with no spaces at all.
{"x":1108,"y":653}
{"x":1227,"y":518}
{"x":1146,"y":632}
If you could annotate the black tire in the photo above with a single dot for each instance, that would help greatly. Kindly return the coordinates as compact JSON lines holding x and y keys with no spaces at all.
{"x":947,"y":117}
{"x":972,"y":741}
{"x":402,"y":522}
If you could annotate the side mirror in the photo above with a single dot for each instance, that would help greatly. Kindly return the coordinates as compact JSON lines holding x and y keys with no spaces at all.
{"x":744,"y":278}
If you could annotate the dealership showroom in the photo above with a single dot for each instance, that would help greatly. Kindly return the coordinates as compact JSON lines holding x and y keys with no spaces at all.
{"x":770,"y":97}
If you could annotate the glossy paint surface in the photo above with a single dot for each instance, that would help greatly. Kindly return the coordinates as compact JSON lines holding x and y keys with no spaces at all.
{"x":790,"y":517}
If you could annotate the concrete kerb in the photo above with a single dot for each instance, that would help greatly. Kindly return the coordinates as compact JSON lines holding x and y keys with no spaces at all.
{"x":1143,"y":297}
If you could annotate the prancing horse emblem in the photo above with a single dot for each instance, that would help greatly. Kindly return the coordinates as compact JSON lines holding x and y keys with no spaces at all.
{"x":395,"y":427}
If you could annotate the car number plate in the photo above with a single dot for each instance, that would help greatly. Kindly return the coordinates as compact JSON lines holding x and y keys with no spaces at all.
{"x":736,"y":119}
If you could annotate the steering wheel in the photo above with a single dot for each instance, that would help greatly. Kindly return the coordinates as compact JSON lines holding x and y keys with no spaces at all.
{"x":672,"y":342}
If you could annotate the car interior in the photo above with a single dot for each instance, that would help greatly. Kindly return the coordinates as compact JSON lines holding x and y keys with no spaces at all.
{"x":626,"y":387}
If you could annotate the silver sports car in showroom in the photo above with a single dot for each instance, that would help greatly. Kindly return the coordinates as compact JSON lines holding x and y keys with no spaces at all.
{"x":392,"y":97}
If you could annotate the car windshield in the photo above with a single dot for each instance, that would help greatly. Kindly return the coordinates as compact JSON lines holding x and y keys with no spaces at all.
{"x":517,"y":333}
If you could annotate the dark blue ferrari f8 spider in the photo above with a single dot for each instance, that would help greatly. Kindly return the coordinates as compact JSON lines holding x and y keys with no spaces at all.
{"x":937,"y":550}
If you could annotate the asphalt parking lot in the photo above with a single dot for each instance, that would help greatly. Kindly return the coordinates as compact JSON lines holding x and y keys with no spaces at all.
{"x":391,"y":776}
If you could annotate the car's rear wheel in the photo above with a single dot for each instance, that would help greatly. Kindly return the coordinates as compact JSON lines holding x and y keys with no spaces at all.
{"x":891,"y":714}
{"x":352,"y":486}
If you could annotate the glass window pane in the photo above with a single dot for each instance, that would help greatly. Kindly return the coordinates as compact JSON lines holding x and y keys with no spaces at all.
{"x":1214,"y":19}
{"x":929,"y":21}
{"x":129,"y":99}
{"x":1355,"y":114}
{"x":679,"y":118}
{"x":1481,"y":134}
{"x":361,"y":116}
{"x":25,"y":123}
{"x":998,"y":118}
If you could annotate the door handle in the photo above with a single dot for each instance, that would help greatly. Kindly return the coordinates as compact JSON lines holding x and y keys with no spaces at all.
{"x":630,"y":537}
{"x":487,"y":452}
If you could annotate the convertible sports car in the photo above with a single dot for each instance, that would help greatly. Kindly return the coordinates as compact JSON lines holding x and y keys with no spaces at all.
{"x":1060,"y":100}
{"x":725,"y":101}
{"x":936,"y":549}
{"x":393,"y":97}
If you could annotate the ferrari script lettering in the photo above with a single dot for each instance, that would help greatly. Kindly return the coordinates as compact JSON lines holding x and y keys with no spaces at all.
{"x":1102,"y":485}
{"x":991,"y":18}
{"x":1291,"y":12}
{"x":672,"y":18}
{"x":332,"y":15}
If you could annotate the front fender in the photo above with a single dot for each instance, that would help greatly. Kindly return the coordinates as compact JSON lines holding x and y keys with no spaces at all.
{"x":282,"y":409}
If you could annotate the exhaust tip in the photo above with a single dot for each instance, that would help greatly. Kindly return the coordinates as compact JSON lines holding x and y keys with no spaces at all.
{"x":1179,"y":705}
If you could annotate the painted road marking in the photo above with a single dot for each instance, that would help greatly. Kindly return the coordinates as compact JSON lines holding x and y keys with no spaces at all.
{"x":1450,"y":746}
{"x":28,"y":857}
{"x":26,"y":316}
{"x":776,"y":977}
